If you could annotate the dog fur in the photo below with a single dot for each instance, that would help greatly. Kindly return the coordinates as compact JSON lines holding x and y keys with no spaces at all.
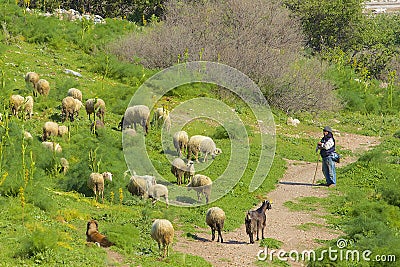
{"x":93,"y":235}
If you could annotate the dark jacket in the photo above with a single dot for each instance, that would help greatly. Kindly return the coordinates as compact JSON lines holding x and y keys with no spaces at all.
{"x":326,"y":141}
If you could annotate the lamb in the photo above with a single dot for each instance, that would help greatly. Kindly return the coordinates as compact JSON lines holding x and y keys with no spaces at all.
{"x":202,"y":185}
{"x":96,"y":106}
{"x":28,"y":106}
{"x":189,"y":172}
{"x":158,"y":190}
{"x":51,"y":128}
{"x":136,"y":114}
{"x":203,"y":144}
{"x":180,"y":139}
{"x":139,"y":185}
{"x":162,"y":232}
{"x":55,"y":147}
{"x":42,"y":87}
{"x":75,"y":93}
{"x":70,"y":108}
{"x":256,"y":219}
{"x":93,"y":235}
{"x":215,"y":218}
{"x":96,"y":183}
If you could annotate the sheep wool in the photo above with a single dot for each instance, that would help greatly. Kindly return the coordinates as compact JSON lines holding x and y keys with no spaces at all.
{"x":32,"y":77}
{"x":96,"y":106}
{"x":68,"y":108}
{"x":16,"y":102}
{"x":202,"y":185}
{"x":208,"y":147}
{"x":178,"y":168}
{"x":28,"y":106}
{"x":62,"y":130}
{"x":162,"y":232}
{"x":139,"y":185}
{"x":180,"y":140}
{"x":215,"y":218}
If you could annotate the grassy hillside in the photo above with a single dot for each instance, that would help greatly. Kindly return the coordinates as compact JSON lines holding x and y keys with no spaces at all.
{"x":44,"y":213}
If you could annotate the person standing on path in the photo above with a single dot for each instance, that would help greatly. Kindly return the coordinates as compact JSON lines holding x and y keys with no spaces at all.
{"x":327,"y":148}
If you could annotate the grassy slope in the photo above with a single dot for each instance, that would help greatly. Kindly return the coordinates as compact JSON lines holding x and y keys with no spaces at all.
{"x":47,"y":227}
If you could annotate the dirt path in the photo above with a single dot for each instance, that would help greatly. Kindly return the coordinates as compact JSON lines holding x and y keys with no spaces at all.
{"x":282,"y":223}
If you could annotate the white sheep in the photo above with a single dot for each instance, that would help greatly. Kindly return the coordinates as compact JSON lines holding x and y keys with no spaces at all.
{"x":138,"y":114}
{"x":202,"y":185}
{"x":203,"y":144}
{"x":96,"y":106}
{"x":292,"y":122}
{"x":75,"y":93}
{"x":51,"y":128}
{"x":158,"y":190}
{"x":96,"y":183}
{"x":27,"y":135}
{"x":215,"y":218}
{"x":189,"y":172}
{"x":162,"y":232}
{"x":42,"y":87}
{"x":64,"y":165}
{"x":178,"y":168}
{"x":33,"y":78}
{"x":70,"y":107}
{"x":180,"y":140}
{"x":55,"y":147}
{"x":139,"y":185}
{"x":16,"y":102}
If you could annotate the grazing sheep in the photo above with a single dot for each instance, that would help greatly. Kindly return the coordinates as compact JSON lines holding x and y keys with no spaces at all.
{"x":162,"y":232}
{"x":189,"y":172}
{"x":69,"y":108}
{"x":256,"y":219}
{"x":178,"y":168}
{"x":42,"y":87}
{"x":136,"y":114}
{"x":96,"y":183}
{"x":203,"y":144}
{"x":75,"y":93}
{"x":49,"y":128}
{"x":96,"y":106}
{"x":95,"y":126}
{"x":292,"y":122}
{"x":16,"y":102}
{"x":33,"y":78}
{"x":62,"y":130}
{"x":93,"y":235}
{"x":180,"y":139}
{"x":215,"y":218}
{"x":167,"y":121}
{"x":78,"y":105}
{"x":139,"y":185}
{"x":158,"y":190}
{"x":27,"y":135}
{"x":64,"y":165}
{"x":55,"y":147}
{"x":202,"y":185}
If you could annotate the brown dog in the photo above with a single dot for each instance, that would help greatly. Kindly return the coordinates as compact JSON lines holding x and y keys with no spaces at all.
{"x":93,"y":235}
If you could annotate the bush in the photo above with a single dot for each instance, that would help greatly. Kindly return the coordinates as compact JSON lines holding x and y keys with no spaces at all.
{"x":259,"y":38}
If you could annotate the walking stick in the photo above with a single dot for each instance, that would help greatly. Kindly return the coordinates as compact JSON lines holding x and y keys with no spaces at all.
{"x":316,"y":167}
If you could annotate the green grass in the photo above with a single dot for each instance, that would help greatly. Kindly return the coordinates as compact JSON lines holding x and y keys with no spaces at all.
{"x":45,"y":222}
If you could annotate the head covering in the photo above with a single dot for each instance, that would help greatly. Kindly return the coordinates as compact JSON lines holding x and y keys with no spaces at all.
{"x":327,"y":129}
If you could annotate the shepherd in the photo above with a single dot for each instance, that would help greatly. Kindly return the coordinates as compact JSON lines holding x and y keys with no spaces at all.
{"x":327,"y":152}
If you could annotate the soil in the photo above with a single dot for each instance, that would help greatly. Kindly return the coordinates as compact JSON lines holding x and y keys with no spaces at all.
{"x":298,"y":230}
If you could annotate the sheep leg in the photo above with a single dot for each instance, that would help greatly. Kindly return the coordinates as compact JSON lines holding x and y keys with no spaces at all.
{"x":219,"y":235}
{"x":205,"y":157}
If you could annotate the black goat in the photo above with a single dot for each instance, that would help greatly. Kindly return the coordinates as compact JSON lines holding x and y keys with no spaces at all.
{"x":255,"y":219}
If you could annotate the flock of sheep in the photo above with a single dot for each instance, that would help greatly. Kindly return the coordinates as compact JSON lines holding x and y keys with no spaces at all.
{"x":141,"y":185}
